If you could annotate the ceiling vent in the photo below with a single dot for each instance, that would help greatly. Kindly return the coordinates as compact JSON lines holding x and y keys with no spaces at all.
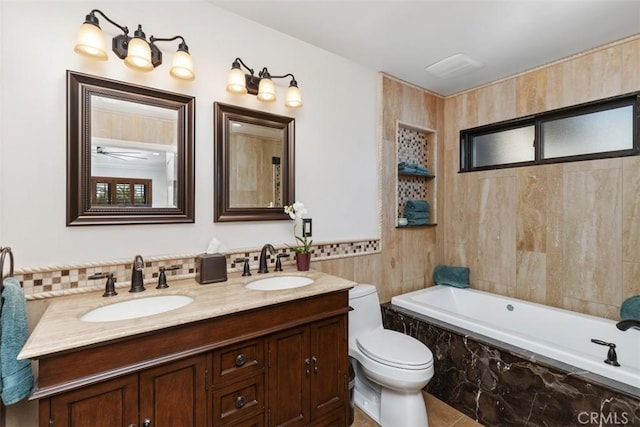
{"x":454,"y":66}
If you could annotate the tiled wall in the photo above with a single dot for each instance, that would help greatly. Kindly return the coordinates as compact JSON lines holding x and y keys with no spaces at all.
{"x":409,"y":254}
{"x":565,"y":235}
{"x":62,"y":280}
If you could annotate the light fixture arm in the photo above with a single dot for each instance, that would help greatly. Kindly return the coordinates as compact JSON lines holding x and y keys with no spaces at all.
{"x":181,"y":46}
{"x":91,"y":19}
{"x":237,"y":62}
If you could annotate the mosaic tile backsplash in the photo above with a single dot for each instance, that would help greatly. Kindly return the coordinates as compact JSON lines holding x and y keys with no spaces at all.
{"x":62,"y":280}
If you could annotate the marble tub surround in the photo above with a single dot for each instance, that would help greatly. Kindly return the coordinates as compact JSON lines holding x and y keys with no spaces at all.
{"x":46,"y":282}
{"x":60,"y":329}
{"x":499,"y":385}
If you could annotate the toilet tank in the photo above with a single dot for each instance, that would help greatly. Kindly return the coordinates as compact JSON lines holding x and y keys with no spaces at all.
{"x":366,"y":314}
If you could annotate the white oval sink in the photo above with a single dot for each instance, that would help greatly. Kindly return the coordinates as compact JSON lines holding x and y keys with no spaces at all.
{"x":278,"y":283}
{"x":135,"y":308}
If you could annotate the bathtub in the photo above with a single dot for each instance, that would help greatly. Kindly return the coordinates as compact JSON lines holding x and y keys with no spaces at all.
{"x":561,"y":335}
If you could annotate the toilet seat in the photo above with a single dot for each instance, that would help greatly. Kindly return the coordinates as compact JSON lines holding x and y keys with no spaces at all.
{"x":394,"y":349}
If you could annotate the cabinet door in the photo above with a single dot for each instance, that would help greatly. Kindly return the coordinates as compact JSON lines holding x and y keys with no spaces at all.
{"x":329,"y":366}
{"x":288,"y":378}
{"x":106,"y":404}
{"x":174,"y":394}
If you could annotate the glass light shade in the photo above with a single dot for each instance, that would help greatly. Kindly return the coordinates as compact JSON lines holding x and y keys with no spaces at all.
{"x":266,"y":90}
{"x":182,"y":66}
{"x":294,"y":97}
{"x":138,"y":55}
{"x":91,"y":42}
{"x":236,"y":82}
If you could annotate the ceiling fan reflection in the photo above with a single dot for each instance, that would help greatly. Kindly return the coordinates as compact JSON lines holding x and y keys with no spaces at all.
{"x":120,"y":155}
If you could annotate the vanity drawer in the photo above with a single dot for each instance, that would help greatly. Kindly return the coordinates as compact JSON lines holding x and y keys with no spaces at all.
{"x":235,"y":403}
{"x":234,"y":362}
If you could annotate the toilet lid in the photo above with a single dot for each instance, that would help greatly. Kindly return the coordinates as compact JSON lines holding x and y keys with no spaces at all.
{"x":395,"y":349}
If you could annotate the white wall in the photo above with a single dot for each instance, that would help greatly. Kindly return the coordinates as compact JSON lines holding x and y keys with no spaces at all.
{"x":336,"y":142}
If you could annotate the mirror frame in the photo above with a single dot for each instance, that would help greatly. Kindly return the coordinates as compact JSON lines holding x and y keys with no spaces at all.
{"x":223,"y":114}
{"x":80,"y":88}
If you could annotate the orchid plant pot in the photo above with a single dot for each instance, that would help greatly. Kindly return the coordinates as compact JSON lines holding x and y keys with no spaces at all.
{"x":303,"y":260}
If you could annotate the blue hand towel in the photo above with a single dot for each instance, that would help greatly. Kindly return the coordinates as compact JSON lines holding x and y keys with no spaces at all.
{"x":630,"y":308}
{"x":423,"y":221}
{"x":451,"y":276}
{"x":416,"y":215}
{"x":417,"y":206}
{"x":17,"y":377}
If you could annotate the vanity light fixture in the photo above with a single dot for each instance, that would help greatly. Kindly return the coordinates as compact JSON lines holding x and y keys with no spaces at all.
{"x":137,"y":53}
{"x":261,"y":85}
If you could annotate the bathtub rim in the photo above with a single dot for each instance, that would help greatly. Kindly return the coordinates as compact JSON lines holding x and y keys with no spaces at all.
{"x":531,"y":356}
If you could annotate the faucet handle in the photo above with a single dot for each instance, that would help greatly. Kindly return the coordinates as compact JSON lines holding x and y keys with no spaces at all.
{"x":278,"y":262}
{"x":162,"y":277}
{"x":245,"y":271}
{"x":109,"y":287}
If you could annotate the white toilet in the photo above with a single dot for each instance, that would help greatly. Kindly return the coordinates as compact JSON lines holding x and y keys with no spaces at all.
{"x":391,"y":368}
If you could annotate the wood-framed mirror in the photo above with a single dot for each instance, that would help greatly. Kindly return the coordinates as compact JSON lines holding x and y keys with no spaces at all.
{"x":254,"y":164}
{"x":130,"y":153}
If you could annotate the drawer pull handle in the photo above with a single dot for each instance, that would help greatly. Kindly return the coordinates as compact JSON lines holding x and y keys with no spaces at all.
{"x":240,"y":360}
{"x":240,"y":402}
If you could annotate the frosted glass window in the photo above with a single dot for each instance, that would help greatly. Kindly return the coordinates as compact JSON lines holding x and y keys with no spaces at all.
{"x":507,"y":146}
{"x":597,"y":132}
{"x":593,"y":130}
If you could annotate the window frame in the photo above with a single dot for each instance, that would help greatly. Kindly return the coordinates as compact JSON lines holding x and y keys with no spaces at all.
{"x":537,"y":120}
{"x":113,"y":182}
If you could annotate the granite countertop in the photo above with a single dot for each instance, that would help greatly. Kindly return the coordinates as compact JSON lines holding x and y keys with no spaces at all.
{"x":61,"y":329}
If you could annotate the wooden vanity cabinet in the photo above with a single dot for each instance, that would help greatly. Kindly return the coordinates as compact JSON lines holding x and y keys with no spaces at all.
{"x":172,"y":394}
{"x":276,"y":365}
{"x":307,"y":373}
{"x":106,"y":404}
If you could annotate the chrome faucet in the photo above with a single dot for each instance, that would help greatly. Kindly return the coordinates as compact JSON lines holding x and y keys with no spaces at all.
{"x":623,"y":325}
{"x":262,"y":265}
{"x":137,"y":271}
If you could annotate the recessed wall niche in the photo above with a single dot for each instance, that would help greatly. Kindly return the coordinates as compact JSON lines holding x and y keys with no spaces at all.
{"x":416,"y":161}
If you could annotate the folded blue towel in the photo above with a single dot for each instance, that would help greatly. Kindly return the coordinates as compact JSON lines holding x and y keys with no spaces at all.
{"x":423,"y":221}
{"x":17,"y":377}
{"x":416,"y":215}
{"x":630,"y":308}
{"x":413,"y":169}
{"x":417,"y":206}
{"x":451,"y":276}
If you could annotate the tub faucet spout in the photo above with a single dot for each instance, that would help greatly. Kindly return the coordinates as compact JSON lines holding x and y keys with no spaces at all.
{"x":623,"y":325}
{"x":137,"y":270}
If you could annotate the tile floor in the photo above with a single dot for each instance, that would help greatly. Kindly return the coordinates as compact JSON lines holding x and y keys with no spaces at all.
{"x":440,"y":415}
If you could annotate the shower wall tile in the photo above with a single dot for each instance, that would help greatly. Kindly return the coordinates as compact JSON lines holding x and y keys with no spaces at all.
{"x":563,"y":234}
{"x":531,"y":269}
{"x":531,"y":88}
{"x":631,"y":209}
{"x":630,"y":279}
{"x":496,"y":218}
{"x":531,"y":221}
{"x":630,"y":74}
{"x":592,"y":233}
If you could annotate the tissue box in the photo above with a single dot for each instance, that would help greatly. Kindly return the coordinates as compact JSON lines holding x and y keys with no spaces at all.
{"x":211,"y":268}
